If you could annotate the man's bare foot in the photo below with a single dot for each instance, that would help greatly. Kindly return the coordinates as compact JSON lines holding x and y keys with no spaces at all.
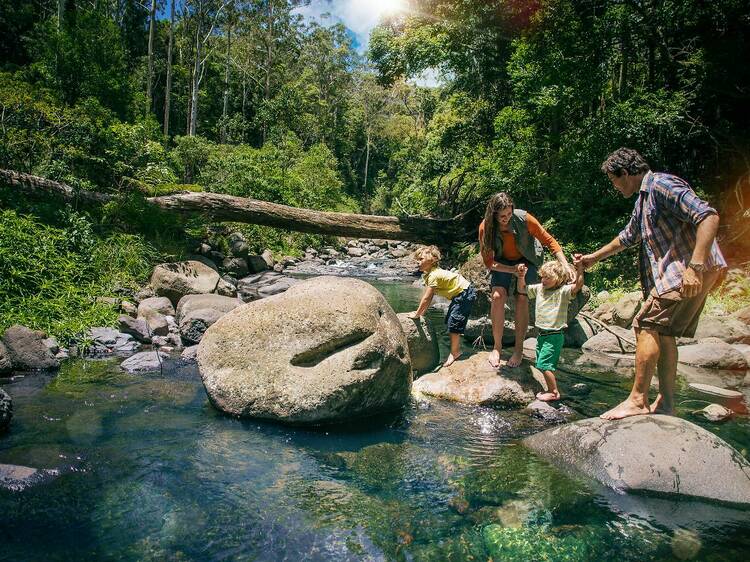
{"x":451,"y":359}
{"x":625,"y":410}
{"x":494,"y":359}
{"x":515,"y":359}
{"x":657,"y":407}
{"x":548,"y":396}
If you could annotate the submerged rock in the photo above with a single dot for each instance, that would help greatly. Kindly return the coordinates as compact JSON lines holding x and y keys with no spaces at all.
{"x":548,"y":413}
{"x":474,"y":381}
{"x":144,"y":362}
{"x":422,"y":341}
{"x":327,"y":350}
{"x":16,"y":478}
{"x":653,"y":453}
{"x":716,"y":413}
{"x":27,"y":351}
{"x":6,"y":410}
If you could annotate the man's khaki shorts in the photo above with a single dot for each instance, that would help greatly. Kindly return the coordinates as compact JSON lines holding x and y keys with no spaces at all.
{"x":671,"y":314}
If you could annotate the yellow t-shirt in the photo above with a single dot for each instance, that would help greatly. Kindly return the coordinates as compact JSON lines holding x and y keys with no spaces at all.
{"x":447,"y":284}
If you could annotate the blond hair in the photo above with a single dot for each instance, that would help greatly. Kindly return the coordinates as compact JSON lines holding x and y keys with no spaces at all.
{"x":497,"y":203}
{"x":555,"y":270}
{"x":429,"y":251}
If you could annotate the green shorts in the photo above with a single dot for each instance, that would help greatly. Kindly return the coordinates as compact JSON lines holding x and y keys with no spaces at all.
{"x":548,"y":348}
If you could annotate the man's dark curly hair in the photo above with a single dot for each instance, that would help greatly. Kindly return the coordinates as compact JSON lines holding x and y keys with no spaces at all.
{"x":625,"y":159}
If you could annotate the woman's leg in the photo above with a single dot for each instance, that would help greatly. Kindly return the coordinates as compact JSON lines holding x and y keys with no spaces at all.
{"x":522,"y":325}
{"x":497,"y":315}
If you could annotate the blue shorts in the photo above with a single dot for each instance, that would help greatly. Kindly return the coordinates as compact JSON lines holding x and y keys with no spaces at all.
{"x":503,"y":279}
{"x":459,"y":310}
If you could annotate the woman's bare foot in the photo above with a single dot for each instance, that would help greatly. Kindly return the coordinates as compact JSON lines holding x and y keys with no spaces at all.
{"x":625,"y":410}
{"x":451,"y":359}
{"x":548,"y":396}
{"x":515,"y":359}
{"x":494,"y":359}
{"x":657,"y":407}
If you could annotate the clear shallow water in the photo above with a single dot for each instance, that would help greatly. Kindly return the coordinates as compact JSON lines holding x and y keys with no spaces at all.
{"x":150,"y":471}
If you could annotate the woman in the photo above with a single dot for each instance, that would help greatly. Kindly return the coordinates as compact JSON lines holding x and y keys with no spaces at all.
{"x":509,"y":237}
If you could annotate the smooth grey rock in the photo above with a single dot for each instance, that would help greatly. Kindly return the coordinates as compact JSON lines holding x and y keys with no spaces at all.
{"x":653,"y":453}
{"x":579,"y":331}
{"x":256,"y":264}
{"x":6,"y":410}
{"x":158,"y":324}
{"x":215,"y":256}
{"x":26,"y":349}
{"x":219,"y":303}
{"x":226,"y":289}
{"x":237,"y":267}
{"x":716,"y":413}
{"x":743,"y":315}
{"x":239,"y":248}
{"x":482,"y":328}
{"x":398,"y":253}
{"x":175,"y":280}
{"x":144,"y":362}
{"x":355,"y":252}
{"x":267,"y":256}
{"x":109,"y":340}
{"x":129,"y":308}
{"x":52,"y":345}
{"x":263,"y":285}
{"x":608,"y":342}
{"x":727,"y":328}
{"x":279,"y":267}
{"x":744,"y":349}
{"x":328,"y":350}
{"x":713,"y":355}
{"x":194,"y":323}
{"x":422,"y":341}
{"x":136,"y":327}
{"x":145,"y":293}
{"x":6,"y":366}
{"x":626,"y":308}
{"x":204,"y":260}
{"x":189,"y":353}
{"x":16,"y":478}
{"x":474,"y":381}
{"x":161,"y":305}
{"x":548,"y":413}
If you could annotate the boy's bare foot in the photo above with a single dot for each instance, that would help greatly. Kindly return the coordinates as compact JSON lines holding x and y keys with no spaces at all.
{"x":657,"y":407}
{"x":451,"y":359}
{"x":494,"y":359}
{"x":515,"y":359}
{"x":548,"y":396}
{"x":625,"y":410}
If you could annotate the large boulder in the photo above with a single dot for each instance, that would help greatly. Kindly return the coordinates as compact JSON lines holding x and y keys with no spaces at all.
{"x":654,"y":453}
{"x":731,"y":330}
{"x":422,"y":341}
{"x":175,"y":280}
{"x":6,"y":366}
{"x":626,"y":308}
{"x":189,"y":303}
{"x":26,"y":349}
{"x":327,"y":350}
{"x":613,"y":340}
{"x":6,"y":410}
{"x":136,"y":327}
{"x":474,"y":381}
{"x":712,"y":354}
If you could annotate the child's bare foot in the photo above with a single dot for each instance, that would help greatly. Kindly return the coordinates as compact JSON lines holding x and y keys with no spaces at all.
{"x":494,"y":359}
{"x":515,"y":359}
{"x":548,"y":396}
{"x":451,"y":359}
{"x":625,"y":410}
{"x":657,"y":407}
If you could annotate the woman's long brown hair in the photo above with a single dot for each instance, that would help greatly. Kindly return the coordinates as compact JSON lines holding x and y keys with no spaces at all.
{"x":497,"y":202}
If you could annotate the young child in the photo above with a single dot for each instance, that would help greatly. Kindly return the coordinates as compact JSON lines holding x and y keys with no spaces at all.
{"x":452,"y":286}
{"x":552,"y":297}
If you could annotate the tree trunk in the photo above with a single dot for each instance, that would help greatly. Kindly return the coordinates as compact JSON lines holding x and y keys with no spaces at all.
{"x":149,"y":81}
{"x":269,"y":60}
{"x":367,"y":161}
{"x":196,"y":84}
{"x":168,"y":92}
{"x":225,"y":109}
{"x":214,"y":206}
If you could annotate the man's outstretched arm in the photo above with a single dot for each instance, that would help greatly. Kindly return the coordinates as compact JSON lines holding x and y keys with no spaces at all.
{"x":614,"y":247}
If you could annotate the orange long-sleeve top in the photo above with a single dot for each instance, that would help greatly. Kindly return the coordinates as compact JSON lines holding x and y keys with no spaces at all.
{"x":510,"y":250}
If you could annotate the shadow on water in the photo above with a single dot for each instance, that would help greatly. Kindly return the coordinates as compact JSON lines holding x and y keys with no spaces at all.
{"x":149,"y":470}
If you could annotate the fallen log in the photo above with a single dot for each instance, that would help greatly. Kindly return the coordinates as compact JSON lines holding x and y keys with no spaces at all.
{"x":219,"y":207}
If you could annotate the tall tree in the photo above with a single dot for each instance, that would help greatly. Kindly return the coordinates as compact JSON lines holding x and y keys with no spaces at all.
{"x":168,"y":87}
{"x":149,"y":79}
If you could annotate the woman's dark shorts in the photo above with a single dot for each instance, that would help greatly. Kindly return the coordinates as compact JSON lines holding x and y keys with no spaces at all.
{"x":459,"y":310}
{"x":503,"y":279}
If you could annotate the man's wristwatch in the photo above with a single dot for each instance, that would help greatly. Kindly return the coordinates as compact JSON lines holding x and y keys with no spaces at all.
{"x":697,"y":267}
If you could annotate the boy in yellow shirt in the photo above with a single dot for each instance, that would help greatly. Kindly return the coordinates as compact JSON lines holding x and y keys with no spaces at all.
{"x":454,"y":287}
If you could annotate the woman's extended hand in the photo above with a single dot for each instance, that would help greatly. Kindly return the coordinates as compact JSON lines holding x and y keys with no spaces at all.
{"x":521,"y":270}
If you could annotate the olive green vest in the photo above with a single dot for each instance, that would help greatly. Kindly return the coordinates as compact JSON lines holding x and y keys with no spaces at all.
{"x":529,"y":246}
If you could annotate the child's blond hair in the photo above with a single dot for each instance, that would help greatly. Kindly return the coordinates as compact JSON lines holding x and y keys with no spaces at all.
{"x":555,"y":270}
{"x":428,"y":251}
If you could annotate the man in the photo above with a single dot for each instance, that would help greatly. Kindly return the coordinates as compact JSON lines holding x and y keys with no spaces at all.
{"x":679,"y":263}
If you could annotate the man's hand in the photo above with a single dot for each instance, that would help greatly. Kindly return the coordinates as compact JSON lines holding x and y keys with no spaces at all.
{"x":691,"y":283}
{"x":584,"y":261}
{"x":414,"y":315}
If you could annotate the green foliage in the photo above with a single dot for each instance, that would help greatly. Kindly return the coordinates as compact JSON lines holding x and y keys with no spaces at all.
{"x":50,"y":276}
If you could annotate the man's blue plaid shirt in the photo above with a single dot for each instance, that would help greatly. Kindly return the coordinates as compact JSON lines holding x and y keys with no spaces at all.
{"x":665,"y":220}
